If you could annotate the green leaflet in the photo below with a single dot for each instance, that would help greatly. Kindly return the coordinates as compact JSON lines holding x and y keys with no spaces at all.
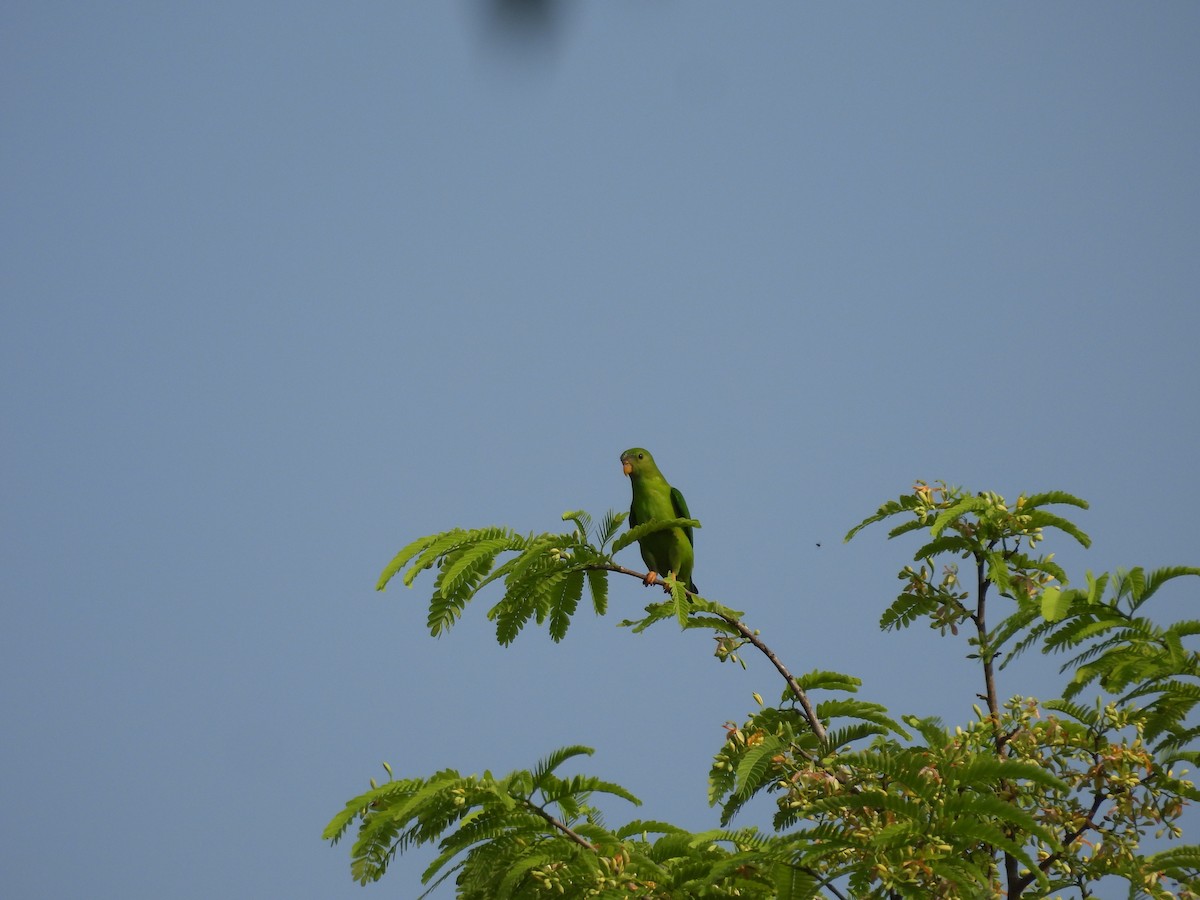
{"x":478,"y":556}
{"x":440,"y":546}
{"x":830,"y":681}
{"x":906,"y":609}
{"x":754,"y":765}
{"x":566,"y":600}
{"x":554,"y":760}
{"x":1050,"y":498}
{"x":640,"y":531}
{"x":945,"y":544}
{"x":792,"y":883}
{"x":1054,"y":604}
{"x":581,"y":519}
{"x":598,"y":586}
{"x":610,"y":525}
{"x":891,"y":508}
{"x":681,"y":601}
{"x":400,"y":559}
{"x":1159,"y":577}
{"x":837,"y":739}
{"x":1041,"y":519}
{"x":949,"y":516}
{"x":647,"y":827}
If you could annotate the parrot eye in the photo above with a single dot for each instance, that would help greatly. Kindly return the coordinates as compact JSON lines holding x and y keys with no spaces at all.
{"x":641,"y":456}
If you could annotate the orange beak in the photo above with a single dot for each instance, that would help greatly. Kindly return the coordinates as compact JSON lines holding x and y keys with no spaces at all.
{"x":626,"y":467}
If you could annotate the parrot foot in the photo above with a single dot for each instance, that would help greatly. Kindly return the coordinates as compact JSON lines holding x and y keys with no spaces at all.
{"x":654,"y":578}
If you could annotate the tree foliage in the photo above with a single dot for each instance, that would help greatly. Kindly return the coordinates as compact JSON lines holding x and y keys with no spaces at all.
{"x":1028,"y":797}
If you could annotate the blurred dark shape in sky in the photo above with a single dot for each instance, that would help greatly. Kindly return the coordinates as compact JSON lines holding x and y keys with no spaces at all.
{"x":524,"y":31}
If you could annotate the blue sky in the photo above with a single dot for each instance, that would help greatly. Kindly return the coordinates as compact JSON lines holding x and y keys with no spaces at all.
{"x":288,"y":285}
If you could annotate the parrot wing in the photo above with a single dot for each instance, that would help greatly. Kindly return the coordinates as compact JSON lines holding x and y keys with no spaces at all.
{"x":681,"y":511}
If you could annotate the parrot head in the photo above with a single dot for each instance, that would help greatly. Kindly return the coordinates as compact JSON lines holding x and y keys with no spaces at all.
{"x":637,"y":461}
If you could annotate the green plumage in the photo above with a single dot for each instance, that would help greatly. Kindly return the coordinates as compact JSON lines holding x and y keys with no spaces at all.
{"x":663,"y":552}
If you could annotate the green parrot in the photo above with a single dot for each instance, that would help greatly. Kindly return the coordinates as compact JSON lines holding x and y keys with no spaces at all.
{"x":664,"y":551}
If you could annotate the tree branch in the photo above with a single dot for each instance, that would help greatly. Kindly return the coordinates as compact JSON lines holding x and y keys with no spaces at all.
{"x":1011,"y":867}
{"x":751,"y":637}
{"x":985,"y":656}
{"x":561,"y":826}
{"x":1068,"y":839}
{"x":824,"y":881}
{"x":805,"y":704}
